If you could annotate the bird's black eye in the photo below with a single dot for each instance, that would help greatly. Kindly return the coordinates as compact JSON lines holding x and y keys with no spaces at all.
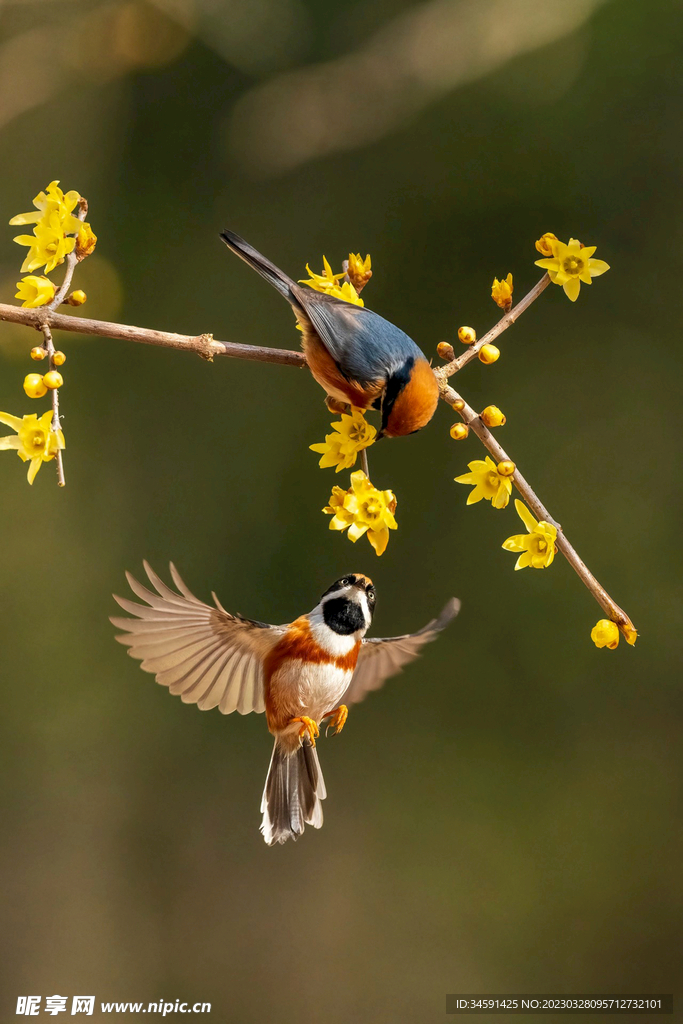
{"x":346,"y":581}
{"x":371,"y":595}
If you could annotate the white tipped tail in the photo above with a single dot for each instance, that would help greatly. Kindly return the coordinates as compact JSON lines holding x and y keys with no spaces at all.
{"x":292,"y":794}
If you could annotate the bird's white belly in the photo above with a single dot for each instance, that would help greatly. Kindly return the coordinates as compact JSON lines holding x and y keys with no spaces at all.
{"x":314,"y":688}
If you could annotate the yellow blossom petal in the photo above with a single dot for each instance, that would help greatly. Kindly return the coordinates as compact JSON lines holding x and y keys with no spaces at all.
{"x":35,"y":291}
{"x":538,"y":545}
{"x":33,"y":469}
{"x":356,"y":531}
{"x":379,"y":540}
{"x":487,"y":483}
{"x":572,"y":288}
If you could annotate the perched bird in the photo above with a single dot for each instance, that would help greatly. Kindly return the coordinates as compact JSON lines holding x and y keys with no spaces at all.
{"x":299,"y":674}
{"x":357,"y":356}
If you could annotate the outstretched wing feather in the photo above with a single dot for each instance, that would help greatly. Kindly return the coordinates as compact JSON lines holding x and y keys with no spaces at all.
{"x":379,"y":659}
{"x":202,"y":653}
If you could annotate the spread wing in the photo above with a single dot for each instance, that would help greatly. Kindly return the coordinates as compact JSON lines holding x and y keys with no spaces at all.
{"x":358,"y":340}
{"x":379,"y":659}
{"x":204,"y":654}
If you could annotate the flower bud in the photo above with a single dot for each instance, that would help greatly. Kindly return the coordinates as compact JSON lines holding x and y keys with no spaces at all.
{"x":59,"y":358}
{"x":459,"y":431}
{"x":359,"y":271}
{"x":86,"y":241}
{"x":76,"y":298}
{"x":501,"y":292}
{"x":458,"y":405}
{"x":492,"y":416}
{"x":445,"y":351}
{"x":544,"y":243}
{"x":506,"y":468}
{"x":467,"y":335}
{"x":605,"y":633}
{"x":38,"y":352}
{"x":34,"y":385}
{"x":488,"y":354}
{"x":53,"y":380}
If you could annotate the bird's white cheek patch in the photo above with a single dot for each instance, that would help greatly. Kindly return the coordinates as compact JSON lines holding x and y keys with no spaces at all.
{"x":332,"y":643}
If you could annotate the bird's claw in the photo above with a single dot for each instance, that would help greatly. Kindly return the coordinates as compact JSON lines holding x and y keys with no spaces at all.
{"x":339,"y":716}
{"x":308,"y":726}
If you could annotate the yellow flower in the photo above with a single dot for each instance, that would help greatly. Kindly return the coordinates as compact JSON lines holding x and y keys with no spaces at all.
{"x":501,"y":292}
{"x":605,"y":633}
{"x":35,"y":440}
{"x":35,"y":291}
{"x":488,"y":483}
{"x":53,"y":200}
{"x":359,"y":270}
{"x":363,"y":510}
{"x":537,"y":546}
{"x":545,"y":243}
{"x":328,"y":283}
{"x":353,"y":433}
{"x":47,"y":245}
{"x":86,"y":240}
{"x":572,"y":264}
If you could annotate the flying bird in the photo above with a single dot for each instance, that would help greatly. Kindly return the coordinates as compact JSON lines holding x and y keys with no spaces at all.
{"x":357,"y":356}
{"x":300,"y":674}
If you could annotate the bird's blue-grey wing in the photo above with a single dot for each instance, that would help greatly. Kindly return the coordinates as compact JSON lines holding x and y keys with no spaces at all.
{"x":364,"y":345}
{"x":379,"y":659}
{"x":202,"y":653}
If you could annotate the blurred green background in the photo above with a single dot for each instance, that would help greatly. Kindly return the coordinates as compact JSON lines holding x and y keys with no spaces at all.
{"x":502,"y":817}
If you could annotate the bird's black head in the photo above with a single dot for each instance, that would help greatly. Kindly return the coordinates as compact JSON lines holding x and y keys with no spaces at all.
{"x":348,"y":605}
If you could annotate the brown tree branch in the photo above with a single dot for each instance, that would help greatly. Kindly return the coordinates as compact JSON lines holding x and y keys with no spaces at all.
{"x":203,"y":345}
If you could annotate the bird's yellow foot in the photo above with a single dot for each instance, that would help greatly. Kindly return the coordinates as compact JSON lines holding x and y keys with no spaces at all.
{"x":308,"y":725}
{"x":339,"y":716}
{"x":335,"y":405}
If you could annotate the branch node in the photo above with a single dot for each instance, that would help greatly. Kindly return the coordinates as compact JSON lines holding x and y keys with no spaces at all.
{"x":206,"y":347}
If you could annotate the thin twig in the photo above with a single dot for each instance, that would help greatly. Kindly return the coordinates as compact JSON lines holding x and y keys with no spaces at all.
{"x":71,"y":261}
{"x":48,"y":343}
{"x":505,"y":321}
{"x":56,"y":425}
{"x":364,"y":462}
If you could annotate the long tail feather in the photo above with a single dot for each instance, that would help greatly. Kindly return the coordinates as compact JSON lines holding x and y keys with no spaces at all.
{"x":293,"y":793}
{"x":272,"y":274}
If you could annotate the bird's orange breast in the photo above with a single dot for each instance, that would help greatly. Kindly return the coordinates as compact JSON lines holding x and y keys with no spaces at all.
{"x":326,"y":372}
{"x":298,"y":644}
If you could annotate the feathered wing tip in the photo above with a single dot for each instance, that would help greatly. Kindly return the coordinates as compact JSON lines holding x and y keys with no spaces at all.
{"x":293,"y":793}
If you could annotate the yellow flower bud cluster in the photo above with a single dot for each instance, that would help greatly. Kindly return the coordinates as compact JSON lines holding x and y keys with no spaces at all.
{"x":605,"y":633}
{"x":37,"y":385}
{"x":58,"y":234}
